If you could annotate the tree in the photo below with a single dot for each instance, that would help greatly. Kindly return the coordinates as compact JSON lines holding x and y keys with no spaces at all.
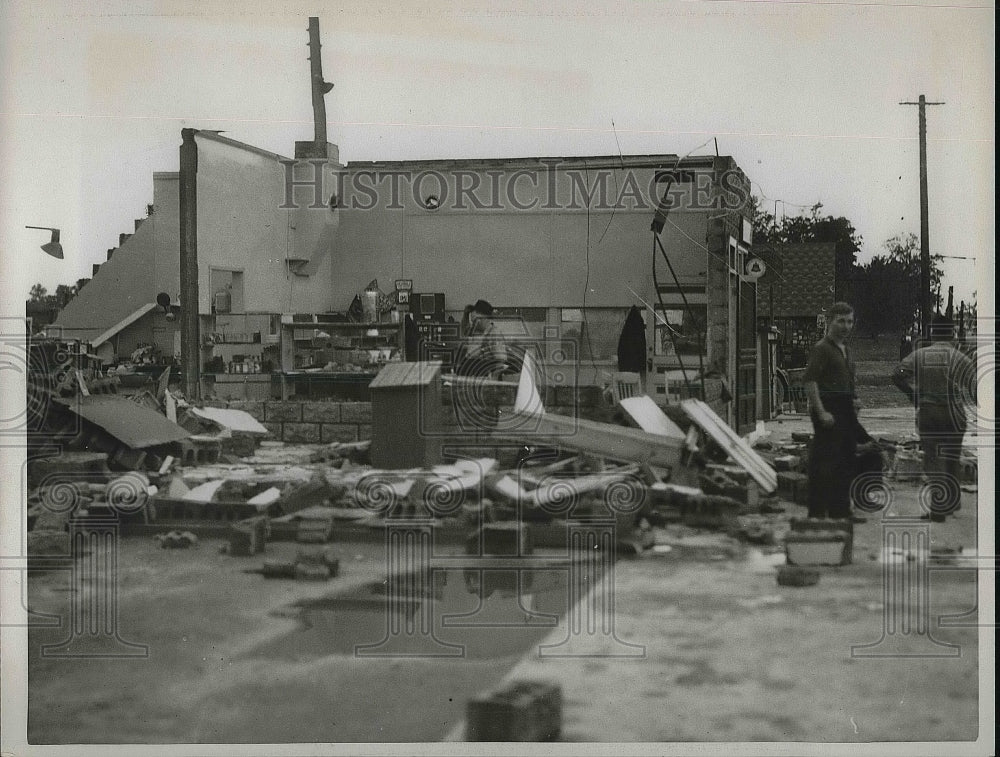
{"x":64,"y":293}
{"x":37,"y":293}
{"x":812,"y":227}
{"x":886,"y":289}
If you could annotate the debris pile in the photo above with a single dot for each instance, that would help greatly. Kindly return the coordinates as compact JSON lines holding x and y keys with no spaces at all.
{"x":176,"y":540}
{"x":188,"y":467}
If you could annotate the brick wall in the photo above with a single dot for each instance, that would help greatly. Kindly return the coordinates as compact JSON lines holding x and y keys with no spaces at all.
{"x":312,"y":422}
{"x":322,"y":422}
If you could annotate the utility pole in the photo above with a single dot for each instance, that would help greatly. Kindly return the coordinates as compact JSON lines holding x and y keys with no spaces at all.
{"x":925,"y":250}
{"x":319,"y":86}
{"x":188,"y":223}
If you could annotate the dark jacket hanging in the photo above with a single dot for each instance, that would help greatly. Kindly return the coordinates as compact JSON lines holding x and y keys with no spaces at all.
{"x":632,"y":343}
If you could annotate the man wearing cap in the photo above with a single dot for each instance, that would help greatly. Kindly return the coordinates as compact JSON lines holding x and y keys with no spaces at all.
{"x":938,"y":379}
{"x":479,"y":354}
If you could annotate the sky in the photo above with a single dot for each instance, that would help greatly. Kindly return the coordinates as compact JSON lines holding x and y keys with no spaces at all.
{"x":804,"y":95}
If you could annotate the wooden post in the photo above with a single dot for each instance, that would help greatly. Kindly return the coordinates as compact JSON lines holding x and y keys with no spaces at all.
{"x":319,"y":87}
{"x":190,"y":331}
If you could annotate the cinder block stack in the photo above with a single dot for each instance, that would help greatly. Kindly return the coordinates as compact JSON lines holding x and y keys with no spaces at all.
{"x":520,"y":711}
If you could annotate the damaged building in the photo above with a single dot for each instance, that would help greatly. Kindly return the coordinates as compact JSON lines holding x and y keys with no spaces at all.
{"x":561,"y":247}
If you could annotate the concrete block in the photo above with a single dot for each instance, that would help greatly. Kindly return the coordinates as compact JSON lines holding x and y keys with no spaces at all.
{"x":787,"y":463}
{"x":274,"y":427}
{"x":239,"y":444}
{"x":356,"y":412}
{"x":794,"y":575}
{"x":339,"y":432}
{"x":311,"y":572}
{"x":254,"y":408}
{"x":817,"y":548}
{"x":789,"y":482}
{"x":278,"y":569}
{"x":283,"y":411}
{"x":301,"y":433}
{"x":247,"y":537}
{"x":364,"y":431}
{"x":506,"y":538}
{"x":314,"y":530}
{"x":313,"y":492}
{"x":813,"y":525}
{"x":907,"y":465}
{"x":710,"y":511}
{"x":520,"y":711}
{"x":319,"y":556}
{"x":321,"y":412}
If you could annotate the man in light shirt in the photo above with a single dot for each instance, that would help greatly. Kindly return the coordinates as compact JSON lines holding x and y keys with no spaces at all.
{"x":939,"y":379}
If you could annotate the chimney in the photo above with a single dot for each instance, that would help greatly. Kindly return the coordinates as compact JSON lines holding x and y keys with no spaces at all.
{"x":111,"y":251}
{"x":122,"y":238}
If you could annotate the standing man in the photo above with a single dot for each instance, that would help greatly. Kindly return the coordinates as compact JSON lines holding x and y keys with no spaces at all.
{"x":481,"y":353}
{"x":829,"y":385}
{"x":938,"y":378}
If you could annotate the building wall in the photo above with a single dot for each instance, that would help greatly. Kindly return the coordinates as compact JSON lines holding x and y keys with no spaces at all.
{"x":243,"y":226}
{"x":166,"y":229}
{"x":800,"y":279}
{"x":556,"y":252}
{"x":141,"y":332}
{"x":119,"y":287}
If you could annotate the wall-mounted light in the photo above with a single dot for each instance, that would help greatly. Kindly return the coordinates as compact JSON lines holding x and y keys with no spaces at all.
{"x":163,"y":300}
{"x":53,"y":247}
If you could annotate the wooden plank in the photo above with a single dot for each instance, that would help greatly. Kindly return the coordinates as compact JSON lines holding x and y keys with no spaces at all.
{"x":731,"y":443}
{"x":82,"y":382}
{"x":163,"y":383}
{"x":170,"y":406}
{"x":601,"y":439}
{"x":648,"y":416}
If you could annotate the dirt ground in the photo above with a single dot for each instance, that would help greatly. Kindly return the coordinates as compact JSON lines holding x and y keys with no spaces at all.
{"x":717,"y":650}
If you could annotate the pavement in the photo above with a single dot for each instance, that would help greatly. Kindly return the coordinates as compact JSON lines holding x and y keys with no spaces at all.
{"x":695,"y":642}
{"x":729,"y":655}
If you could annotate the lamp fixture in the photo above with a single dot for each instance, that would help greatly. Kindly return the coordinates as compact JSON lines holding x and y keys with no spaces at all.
{"x":53,"y":247}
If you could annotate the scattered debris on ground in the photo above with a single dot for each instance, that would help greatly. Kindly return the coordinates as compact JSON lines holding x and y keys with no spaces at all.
{"x":176,"y":540}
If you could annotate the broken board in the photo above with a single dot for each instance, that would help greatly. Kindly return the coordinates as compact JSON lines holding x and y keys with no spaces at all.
{"x":648,"y":416}
{"x":731,"y":443}
{"x":603,"y":440}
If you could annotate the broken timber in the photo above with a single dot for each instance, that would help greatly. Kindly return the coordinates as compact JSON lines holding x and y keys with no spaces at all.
{"x":590,"y":437}
{"x":732,"y":444}
{"x":600,"y":439}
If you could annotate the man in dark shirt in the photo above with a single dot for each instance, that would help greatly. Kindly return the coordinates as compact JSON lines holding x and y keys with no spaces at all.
{"x":829,"y":385}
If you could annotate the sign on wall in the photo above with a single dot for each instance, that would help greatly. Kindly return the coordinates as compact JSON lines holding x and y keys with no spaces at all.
{"x":754,"y":268}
